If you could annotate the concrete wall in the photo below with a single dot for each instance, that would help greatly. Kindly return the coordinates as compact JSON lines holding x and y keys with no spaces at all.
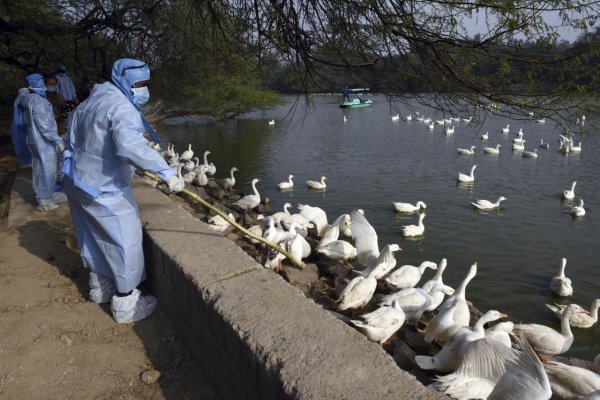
{"x":254,"y":335}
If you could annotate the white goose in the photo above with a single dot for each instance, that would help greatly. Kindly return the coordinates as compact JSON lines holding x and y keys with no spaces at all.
{"x":450,"y":130}
{"x":210,"y":168}
{"x":453,"y":313}
{"x":385,"y":262}
{"x":466,"y":152}
{"x":407,"y":276}
{"x":492,"y":150}
{"x":530,"y":154}
{"x":250,"y":201}
{"x":576,"y":149}
{"x":525,"y":377}
{"x":200,"y":179}
{"x":570,"y":382}
{"x":272,"y":122}
{"x":188,"y":154}
{"x":382,"y":323}
{"x":582,"y":320}
{"x":569,"y":194}
{"x":219,"y":223}
{"x":414,"y":230}
{"x":228,"y":183}
{"x":485,"y":136}
{"x":338,"y":250}
{"x":519,"y":138}
{"x":519,"y":146}
{"x":414,"y":301}
{"x":298,"y":247}
{"x":437,"y":282}
{"x":544,"y":145}
{"x":431,"y":126}
{"x":396,"y":117}
{"x":180,"y":185}
{"x":488,"y":205}
{"x":501,"y":332}
{"x":279,"y":216}
{"x":560,"y":285}
{"x":357,"y":293}
{"x":546,"y":340}
{"x":317,"y":185}
{"x":506,"y":130}
{"x":409,"y":117}
{"x":315,"y":215}
{"x":451,"y":354}
{"x":189,"y":177}
{"x":409,"y":208}
{"x":286,"y":185}
{"x":192,"y":164}
{"x":367,"y":247}
{"x":467,"y":178}
{"x":578,"y":210}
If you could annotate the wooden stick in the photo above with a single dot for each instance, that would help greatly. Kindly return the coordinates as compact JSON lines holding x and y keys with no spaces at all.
{"x":246,"y":232}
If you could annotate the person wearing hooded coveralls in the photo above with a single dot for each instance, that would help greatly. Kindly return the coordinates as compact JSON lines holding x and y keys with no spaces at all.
{"x":104,"y":146}
{"x":33,"y":121}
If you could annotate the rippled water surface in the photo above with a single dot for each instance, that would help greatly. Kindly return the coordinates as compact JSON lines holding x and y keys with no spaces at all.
{"x":370,"y":161}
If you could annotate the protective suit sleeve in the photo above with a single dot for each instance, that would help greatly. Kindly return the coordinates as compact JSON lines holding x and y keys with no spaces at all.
{"x":128,"y":136}
{"x":43,"y":118}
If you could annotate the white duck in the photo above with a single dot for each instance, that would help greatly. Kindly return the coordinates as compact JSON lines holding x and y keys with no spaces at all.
{"x":409,"y":208}
{"x":414,"y":230}
{"x":467,"y":178}
{"x":250,"y":201}
{"x":492,"y":150}
{"x":569,"y":194}
{"x":546,"y":340}
{"x":437,"y":281}
{"x":286,"y":185}
{"x":382,"y":323}
{"x":578,"y":210}
{"x":581,"y":320}
{"x":228,"y":183}
{"x":488,"y":205}
{"x":453,"y":313}
{"x":560,"y":285}
{"x":407,"y":276}
{"x":524,"y":378}
{"x":466,"y":152}
{"x":200,"y":179}
{"x":485,"y":136}
{"x":357,"y":293}
{"x":530,"y":154}
{"x":318,"y":185}
{"x":188,"y":154}
{"x":501,"y":332}
{"x":570,"y":382}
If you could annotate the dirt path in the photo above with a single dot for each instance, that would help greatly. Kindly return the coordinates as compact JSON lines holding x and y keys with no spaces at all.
{"x":56,"y":344}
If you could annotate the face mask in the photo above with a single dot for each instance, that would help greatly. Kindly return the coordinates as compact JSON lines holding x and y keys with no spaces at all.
{"x":140,"y":95}
{"x":51,"y":89}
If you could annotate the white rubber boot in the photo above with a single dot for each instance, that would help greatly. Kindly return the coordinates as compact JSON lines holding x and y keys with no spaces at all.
{"x":134,"y":307}
{"x":46,"y":204}
{"x":59,"y":197}
{"x":102,"y":288}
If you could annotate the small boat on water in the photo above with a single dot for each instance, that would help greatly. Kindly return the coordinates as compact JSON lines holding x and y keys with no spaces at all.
{"x":355,"y":103}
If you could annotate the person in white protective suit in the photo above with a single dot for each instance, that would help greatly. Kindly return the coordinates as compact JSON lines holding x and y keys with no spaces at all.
{"x":103,"y":147}
{"x":35,"y":135}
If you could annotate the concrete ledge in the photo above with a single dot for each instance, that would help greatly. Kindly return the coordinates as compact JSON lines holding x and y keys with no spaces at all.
{"x":254,"y":335}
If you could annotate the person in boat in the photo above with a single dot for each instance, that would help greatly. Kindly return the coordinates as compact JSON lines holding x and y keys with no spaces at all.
{"x":346,"y":94}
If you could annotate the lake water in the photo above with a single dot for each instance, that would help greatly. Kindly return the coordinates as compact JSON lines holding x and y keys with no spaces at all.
{"x":370,"y":161}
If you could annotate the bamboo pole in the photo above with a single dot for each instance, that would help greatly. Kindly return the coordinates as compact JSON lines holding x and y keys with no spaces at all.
{"x":246,"y":232}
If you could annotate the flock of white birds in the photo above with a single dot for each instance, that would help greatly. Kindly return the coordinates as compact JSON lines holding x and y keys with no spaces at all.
{"x":479,"y":363}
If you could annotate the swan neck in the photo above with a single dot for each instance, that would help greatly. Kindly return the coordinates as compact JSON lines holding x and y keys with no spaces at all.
{"x":254,"y":189}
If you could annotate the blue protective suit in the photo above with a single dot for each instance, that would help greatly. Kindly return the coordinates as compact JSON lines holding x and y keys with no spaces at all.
{"x":42,"y":136}
{"x":66,"y":87}
{"x":104,"y":145}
